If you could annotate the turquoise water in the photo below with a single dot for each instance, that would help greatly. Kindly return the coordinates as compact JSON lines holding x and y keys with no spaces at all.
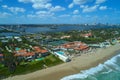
{"x":110,"y":70}
{"x":39,"y":59}
{"x":60,"y":52}
{"x":17,"y":49}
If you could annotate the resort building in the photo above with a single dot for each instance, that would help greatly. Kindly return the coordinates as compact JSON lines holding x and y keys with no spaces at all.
{"x":77,"y":45}
{"x":101,"y":45}
{"x":62,"y":56}
{"x":68,"y":50}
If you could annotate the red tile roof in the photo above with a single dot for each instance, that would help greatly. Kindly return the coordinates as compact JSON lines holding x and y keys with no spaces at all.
{"x":1,"y":55}
{"x":23,"y":52}
{"x":86,"y":35}
{"x":75,"y":45}
{"x":39,"y":50}
{"x":81,"y":48}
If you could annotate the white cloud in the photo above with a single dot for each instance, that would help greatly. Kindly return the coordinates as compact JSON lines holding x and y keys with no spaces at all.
{"x":100,"y":1}
{"x":4,"y":14}
{"x":42,"y":6}
{"x":64,"y":15}
{"x":44,"y":13}
{"x":14,"y":9}
{"x":40,"y":1}
{"x":48,"y":5}
{"x":103,"y":7}
{"x":4,"y":6}
{"x":57,"y":8}
{"x":80,"y":1}
{"x":38,"y":4}
{"x":34,"y":1}
{"x":41,"y":14}
{"x":76,"y":16}
{"x":75,"y":11}
{"x":25,"y":1}
{"x":70,"y":5}
{"x":89,"y":9}
{"x":31,"y":16}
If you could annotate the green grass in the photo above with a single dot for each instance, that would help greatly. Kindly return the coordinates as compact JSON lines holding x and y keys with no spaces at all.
{"x":1,"y":66}
{"x":28,"y":67}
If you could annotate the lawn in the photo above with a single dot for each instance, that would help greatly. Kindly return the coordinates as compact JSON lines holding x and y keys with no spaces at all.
{"x":27,"y":67}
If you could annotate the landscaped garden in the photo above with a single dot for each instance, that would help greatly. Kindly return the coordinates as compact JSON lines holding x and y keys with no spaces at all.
{"x":27,"y":67}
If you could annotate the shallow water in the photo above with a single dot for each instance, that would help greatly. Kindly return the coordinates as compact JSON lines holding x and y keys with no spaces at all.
{"x":110,"y":70}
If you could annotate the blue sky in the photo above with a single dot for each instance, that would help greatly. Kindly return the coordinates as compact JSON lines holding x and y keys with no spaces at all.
{"x":59,"y":11}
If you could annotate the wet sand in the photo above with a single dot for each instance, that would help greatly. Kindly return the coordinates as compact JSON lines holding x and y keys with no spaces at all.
{"x":83,"y":62}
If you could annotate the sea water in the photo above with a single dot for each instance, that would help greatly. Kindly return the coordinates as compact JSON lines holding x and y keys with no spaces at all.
{"x":109,"y":70}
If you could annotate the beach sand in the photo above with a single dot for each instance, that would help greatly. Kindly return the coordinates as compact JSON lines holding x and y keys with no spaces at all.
{"x":83,"y":62}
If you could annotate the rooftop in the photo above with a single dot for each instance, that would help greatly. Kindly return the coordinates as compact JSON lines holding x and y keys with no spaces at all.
{"x":39,"y":50}
{"x":77,"y":45}
{"x":1,"y":55}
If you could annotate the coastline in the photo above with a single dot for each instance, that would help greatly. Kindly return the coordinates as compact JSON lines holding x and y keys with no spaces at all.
{"x":83,"y":62}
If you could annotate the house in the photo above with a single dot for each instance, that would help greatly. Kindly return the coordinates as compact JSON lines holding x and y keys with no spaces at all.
{"x":106,"y":44}
{"x":1,"y":38}
{"x":4,"y":41}
{"x":1,"y":57}
{"x":86,"y":35}
{"x":100,"y":45}
{"x":114,"y":41}
{"x":41,"y":52}
{"x":9,"y":37}
{"x":31,"y":55}
{"x":65,"y":37}
{"x":18,"y":38}
{"x":28,"y":56}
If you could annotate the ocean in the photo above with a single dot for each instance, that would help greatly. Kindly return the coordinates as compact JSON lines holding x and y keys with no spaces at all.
{"x":109,"y":70}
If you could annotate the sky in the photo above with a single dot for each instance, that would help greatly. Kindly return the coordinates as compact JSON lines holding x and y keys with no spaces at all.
{"x":59,"y":11}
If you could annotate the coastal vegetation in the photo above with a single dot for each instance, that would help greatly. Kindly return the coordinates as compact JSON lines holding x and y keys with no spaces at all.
{"x":12,"y":65}
{"x":27,"y":67}
{"x":97,"y":35}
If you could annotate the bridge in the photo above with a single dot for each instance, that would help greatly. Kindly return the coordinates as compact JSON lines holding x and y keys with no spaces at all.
{"x":12,"y":30}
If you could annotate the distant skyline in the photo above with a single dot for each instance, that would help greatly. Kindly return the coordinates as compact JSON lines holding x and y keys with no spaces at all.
{"x":59,"y":11}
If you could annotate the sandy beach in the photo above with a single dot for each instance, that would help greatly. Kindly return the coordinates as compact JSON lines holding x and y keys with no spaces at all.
{"x":83,"y":62}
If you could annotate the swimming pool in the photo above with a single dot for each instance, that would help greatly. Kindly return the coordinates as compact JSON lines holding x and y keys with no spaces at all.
{"x":39,"y":59}
{"x":60,"y":52}
{"x":17,"y":49}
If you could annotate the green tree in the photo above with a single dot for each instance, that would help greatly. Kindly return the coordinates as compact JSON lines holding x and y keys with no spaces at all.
{"x":10,"y":61}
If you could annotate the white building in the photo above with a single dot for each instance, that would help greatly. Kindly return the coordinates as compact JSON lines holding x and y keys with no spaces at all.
{"x":62,"y":57}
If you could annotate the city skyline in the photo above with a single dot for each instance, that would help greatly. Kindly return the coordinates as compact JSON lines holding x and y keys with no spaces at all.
{"x":59,"y":11}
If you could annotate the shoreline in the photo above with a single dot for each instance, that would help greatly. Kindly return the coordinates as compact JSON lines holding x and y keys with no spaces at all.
{"x":83,"y":62}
